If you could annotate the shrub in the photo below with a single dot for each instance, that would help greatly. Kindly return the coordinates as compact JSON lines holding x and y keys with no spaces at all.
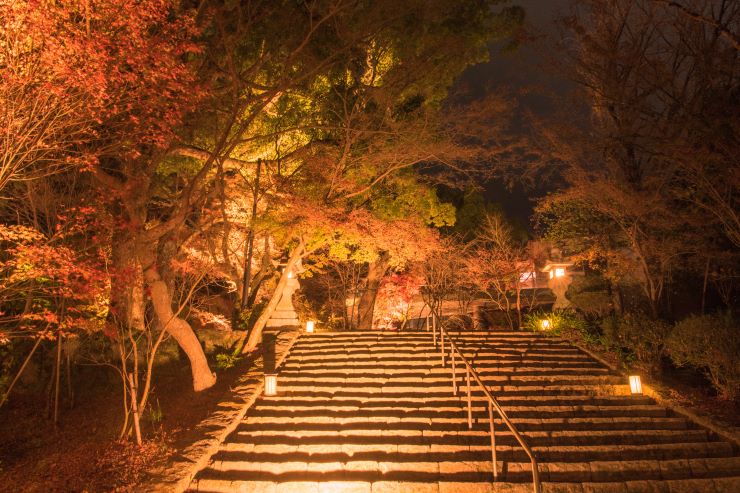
{"x":643,"y":336}
{"x":710,"y":343}
{"x":560,"y":321}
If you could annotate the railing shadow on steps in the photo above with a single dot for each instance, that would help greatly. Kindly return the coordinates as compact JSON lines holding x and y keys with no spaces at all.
{"x":455,"y":353}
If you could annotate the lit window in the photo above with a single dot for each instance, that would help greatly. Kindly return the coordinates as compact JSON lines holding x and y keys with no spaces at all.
{"x":559,"y":272}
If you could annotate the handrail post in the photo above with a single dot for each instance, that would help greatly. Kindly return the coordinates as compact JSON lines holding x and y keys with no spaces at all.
{"x":434,"y":328}
{"x":426,"y":320}
{"x":493,"y":440}
{"x":454,"y":371}
{"x":470,"y":405}
{"x":442,"y":342}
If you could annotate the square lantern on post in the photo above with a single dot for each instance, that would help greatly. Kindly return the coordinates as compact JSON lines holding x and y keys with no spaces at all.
{"x":268,"y":362}
{"x":270,"y":384}
{"x":635,"y":385}
{"x":558,"y":282}
{"x":309,"y":327}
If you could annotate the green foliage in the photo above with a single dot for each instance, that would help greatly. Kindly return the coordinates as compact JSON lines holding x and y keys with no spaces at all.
{"x":248,"y":316}
{"x":155,"y":412}
{"x":228,"y":357}
{"x":710,"y":343}
{"x":636,"y":336}
{"x":560,"y":322}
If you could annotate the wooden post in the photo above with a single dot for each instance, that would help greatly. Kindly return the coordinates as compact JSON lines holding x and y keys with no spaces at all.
{"x":135,"y":407}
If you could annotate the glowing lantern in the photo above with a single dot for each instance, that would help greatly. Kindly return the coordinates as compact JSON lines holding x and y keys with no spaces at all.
{"x":560,"y":272}
{"x":290,"y":275}
{"x":545,"y":324}
{"x":309,"y":326}
{"x":635,"y":384}
{"x":270,"y":384}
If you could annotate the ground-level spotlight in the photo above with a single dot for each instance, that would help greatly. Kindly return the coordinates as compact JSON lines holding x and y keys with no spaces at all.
{"x":545,"y":324}
{"x":635,"y":384}
{"x":270,"y":384}
{"x":309,"y":326}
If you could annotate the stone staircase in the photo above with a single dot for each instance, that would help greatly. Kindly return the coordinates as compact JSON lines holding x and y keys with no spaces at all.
{"x":374,"y":412}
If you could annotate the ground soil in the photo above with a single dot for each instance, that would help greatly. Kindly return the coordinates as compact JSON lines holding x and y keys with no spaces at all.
{"x":82,"y":454}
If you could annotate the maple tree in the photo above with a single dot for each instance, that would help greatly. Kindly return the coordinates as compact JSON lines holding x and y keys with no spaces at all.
{"x":135,"y":136}
{"x":650,"y":175}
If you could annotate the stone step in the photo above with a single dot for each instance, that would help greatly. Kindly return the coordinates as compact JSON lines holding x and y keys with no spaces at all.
{"x":217,"y":484}
{"x":304,"y":451}
{"x":523,"y":380}
{"x":478,"y":410}
{"x":355,"y":365}
{"x":433,"y":378}
{"x":481,"y":470}
{"x":432,"y":413}
{"x":477,"y":398}
{"x":481,"y":436}
{"x":394,"y":358}
{"x":523,"y":425}
{"x":584,"y":389}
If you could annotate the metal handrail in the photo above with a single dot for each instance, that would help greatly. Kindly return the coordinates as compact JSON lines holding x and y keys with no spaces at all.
{"x":492,"y":402}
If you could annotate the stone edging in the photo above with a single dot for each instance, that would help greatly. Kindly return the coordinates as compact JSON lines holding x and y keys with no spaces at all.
{"x":177,"y":476}
{"x":658,"y":392}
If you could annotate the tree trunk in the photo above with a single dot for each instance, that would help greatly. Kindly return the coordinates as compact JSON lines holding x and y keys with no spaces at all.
{"x":366,"y":307}
{"x":178,"y":328}
{"x":127,"y":285}
{"x":255,"y":336}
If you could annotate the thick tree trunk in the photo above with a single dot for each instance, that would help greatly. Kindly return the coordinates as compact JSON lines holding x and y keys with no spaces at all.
{"x":366,"y":307}
{"x":127,"y":286}
{"x":178,"y":328}
{"x":255,"y":336}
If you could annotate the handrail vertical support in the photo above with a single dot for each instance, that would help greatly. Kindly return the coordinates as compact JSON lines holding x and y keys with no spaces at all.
{"x":493,"y":441}
{"x":454,"y":372}
{"x":470,"y":404}
{"x":434,"y":328}
{"x":442,"y":342}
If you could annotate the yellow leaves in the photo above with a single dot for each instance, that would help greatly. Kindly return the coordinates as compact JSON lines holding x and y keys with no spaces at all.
{"x":19,"y":234}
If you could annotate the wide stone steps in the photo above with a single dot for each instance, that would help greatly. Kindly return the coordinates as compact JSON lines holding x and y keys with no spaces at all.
{"x":374,"y":412}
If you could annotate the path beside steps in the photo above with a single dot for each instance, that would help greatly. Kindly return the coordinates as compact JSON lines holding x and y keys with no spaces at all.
{"x":374,"y":412}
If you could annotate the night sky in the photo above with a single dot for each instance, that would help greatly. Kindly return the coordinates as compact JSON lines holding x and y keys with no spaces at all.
{"x":532,"y":64}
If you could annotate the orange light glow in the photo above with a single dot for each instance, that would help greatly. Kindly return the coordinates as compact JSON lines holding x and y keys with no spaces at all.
{"x":270,"y":384}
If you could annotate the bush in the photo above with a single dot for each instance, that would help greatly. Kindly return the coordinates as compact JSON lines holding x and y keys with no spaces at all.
{"x":560,"y":322}
{"x":643,"y":337}
{"x":710,"y":343}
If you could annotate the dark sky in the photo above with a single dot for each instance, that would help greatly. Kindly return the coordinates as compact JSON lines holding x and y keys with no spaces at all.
{"x":530,"y":65}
